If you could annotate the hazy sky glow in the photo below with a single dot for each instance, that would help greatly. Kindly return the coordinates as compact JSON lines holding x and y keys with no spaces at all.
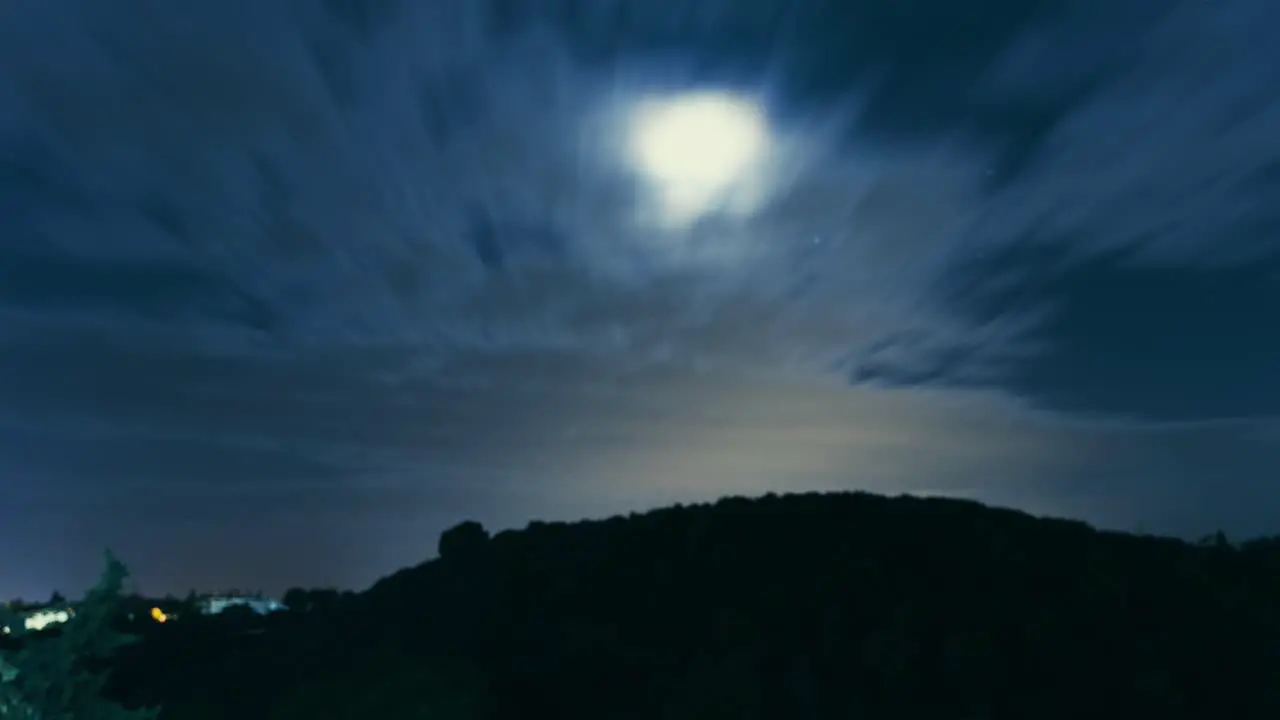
{"x":287,"y":287}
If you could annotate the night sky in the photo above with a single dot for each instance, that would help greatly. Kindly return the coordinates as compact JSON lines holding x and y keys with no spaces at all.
{"x":289,"y":286}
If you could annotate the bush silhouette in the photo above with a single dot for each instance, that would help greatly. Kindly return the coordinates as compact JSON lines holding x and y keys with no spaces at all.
{"x":58,"y":673}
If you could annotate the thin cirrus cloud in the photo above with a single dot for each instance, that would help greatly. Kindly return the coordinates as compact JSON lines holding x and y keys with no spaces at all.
{"x":305,"y":213}
{"x":385,"y":174}
{"x":322,"y":246}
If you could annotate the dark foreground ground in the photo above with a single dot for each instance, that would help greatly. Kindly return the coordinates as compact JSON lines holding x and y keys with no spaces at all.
{"x":803,"y":606}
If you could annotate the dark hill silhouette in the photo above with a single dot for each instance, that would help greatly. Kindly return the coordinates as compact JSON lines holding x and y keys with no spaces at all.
{"x":801,"y":606}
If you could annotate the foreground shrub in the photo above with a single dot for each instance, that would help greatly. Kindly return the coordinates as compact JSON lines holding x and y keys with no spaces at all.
{"x":59,"y":673}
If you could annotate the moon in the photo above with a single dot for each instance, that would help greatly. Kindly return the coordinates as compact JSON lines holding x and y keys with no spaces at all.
{"x":695,"y":148}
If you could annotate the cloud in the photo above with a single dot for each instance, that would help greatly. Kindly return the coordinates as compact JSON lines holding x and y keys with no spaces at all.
{"x":410,"y":178}
{"x":1122,"y":335}
{"x":310,"y":248}
{"x":1171,"y":152}
{"x":1129,"y":242}
{"x":447,"y":178}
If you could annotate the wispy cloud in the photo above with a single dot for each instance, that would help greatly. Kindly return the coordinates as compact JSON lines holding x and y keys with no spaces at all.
{"x":363,"y":242}
{"x":331,"y":184}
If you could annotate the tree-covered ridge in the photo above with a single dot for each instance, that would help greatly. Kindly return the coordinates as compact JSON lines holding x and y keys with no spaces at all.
{"x":814,"y":606}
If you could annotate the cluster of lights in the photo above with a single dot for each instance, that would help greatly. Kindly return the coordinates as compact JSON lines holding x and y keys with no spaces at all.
{"x":43,"y":619}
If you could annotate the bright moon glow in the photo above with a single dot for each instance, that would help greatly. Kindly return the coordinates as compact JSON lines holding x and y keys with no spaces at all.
{"x":694,"y":148}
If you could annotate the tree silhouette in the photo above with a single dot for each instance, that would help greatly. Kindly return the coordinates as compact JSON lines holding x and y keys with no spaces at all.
{"x":57,"y":674}
{"x":463,"y":540}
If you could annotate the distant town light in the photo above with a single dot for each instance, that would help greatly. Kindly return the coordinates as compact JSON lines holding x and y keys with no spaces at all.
{"x":216,"y":604}
{"x":43,"y":619}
